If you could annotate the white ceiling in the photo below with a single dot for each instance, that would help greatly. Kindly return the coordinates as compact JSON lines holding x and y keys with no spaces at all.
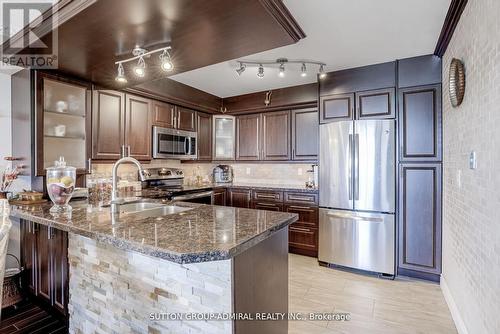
{"x":340,"y":33}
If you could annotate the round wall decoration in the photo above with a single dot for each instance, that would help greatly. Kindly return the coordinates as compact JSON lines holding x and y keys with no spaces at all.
{"x":457,"y":82}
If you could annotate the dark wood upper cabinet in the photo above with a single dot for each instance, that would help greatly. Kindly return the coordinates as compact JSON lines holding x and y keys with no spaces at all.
{"x":248,"y":129}
{"x":138,"y":130}
{"x":420,"y":123}
{"x":380,"y":103}
{"x":108,"y":124}
{"x":120,"y":122}
{"x":240,"y":197}
{"x":419,"y":71}
{"x":204,"y":136}
{"x":186,"y":119}
{"x":276,"y":135}
{"x":163,"y":114}
{"x":420,"y":218}
{"x":305,"y":134}
{"x":337,"y":107}
{"x":63,"y":121}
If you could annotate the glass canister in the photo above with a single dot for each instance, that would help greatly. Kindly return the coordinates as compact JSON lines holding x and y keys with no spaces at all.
{"x":60,"y":185}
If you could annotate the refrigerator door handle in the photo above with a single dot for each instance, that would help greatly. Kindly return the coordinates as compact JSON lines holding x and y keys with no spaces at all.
{"x":356,"y":167}
{"x":349,"y":149}
{"x":357,"y":218}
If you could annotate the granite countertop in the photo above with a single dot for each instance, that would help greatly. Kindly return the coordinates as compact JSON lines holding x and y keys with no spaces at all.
{"x":203,"y":233}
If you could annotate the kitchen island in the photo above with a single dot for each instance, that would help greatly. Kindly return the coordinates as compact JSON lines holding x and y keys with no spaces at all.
{"x":147,"y":271}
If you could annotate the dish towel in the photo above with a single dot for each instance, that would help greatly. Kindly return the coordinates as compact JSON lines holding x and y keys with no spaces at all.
{"x":4,"y":242}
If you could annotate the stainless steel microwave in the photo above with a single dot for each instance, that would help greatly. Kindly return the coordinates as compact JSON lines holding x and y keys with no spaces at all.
{"x":174,"y":144}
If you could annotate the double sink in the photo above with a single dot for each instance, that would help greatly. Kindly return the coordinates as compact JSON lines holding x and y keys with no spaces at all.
{"x":142,"y":209}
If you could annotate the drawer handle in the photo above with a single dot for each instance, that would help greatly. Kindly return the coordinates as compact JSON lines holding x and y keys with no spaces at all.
{"x":300,"y":229}
{"x":266,"y":204}
{"x":300,"y":198}
{"x":356,"y":218}
{"x":299,"y":207}
{"x":267,"y":196}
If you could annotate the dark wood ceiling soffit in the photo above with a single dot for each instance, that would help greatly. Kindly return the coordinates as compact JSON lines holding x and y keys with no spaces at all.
{"x":201,"y":33}
{"x":450,"y":23}
{"x":281,"y":14}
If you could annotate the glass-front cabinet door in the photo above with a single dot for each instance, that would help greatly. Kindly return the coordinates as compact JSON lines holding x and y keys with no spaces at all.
{"x":63,"y":122}
{"x":224,"y":137}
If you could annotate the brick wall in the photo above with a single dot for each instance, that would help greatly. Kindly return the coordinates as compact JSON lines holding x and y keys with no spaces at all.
{"x":471,"y":230}
{"x":115,"y":291}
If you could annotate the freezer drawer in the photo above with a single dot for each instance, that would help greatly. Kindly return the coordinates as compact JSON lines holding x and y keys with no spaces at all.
{"x":358,"y":240}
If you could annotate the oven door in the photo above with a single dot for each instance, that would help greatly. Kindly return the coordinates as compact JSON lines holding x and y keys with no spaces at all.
{"x":205,"y":197}
{"x":174,"y":144}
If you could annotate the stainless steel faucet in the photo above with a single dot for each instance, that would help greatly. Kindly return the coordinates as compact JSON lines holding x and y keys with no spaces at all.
{"x":115,"y":201}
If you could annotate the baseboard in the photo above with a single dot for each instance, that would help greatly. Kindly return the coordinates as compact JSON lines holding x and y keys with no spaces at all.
{"x":455,"y":314}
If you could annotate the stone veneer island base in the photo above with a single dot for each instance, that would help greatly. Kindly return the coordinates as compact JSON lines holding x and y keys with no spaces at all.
{"x":147,"y":274}
{"x":118,"y":291}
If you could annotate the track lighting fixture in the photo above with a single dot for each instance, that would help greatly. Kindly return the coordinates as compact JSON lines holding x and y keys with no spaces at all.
{"x":140,"y":55}
{"x":121,"y":74}
{"x":241,"y":69}
{"x":260,"y":73}
{"x":322,"y":73}
{"x":282,"y":70}
{"x":140,"y":68}
{"x":281,"y":66}
{"x":303,"y":70}
{"x":166,"y":62}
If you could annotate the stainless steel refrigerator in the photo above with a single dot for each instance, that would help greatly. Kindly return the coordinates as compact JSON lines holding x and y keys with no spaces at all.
{"x":357,"y":194}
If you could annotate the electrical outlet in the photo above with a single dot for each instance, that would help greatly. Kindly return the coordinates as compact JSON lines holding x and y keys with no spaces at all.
{"x":299,"y":171}
{"x":247,"y":170}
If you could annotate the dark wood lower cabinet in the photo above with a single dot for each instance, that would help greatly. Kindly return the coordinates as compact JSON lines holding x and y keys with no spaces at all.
{"x":239,"y":197}
{"x":268,"y":206}
{"x":303,"y":234}
{"x":220,"y":197}
{"x":420,"y":220}
{"x":44,"y":255}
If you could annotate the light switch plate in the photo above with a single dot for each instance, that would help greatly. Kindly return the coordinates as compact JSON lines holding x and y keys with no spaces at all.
{"x":247,"y":170}
{"x":472,"y":160}
{"x":299,"y":171}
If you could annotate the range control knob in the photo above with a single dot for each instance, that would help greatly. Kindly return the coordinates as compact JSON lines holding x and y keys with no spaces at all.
{"x":179,"y":172}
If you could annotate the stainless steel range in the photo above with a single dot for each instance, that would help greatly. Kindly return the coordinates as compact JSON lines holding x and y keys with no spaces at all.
{"x":168,"y":183}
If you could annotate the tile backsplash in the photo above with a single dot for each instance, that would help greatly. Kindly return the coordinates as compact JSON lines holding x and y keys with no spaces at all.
{"x":261,"y":173}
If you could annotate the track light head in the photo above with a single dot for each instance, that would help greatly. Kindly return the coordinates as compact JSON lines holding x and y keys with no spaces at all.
{"x":260,"y":73}
{"x":166,"y":62}
{"x":282,"y":70}
{"x":140,"y":68}
{"x":322,"y":73}
{"x":241,"y":69}
{"x":121,"y":75}
{"x":303,"y":70}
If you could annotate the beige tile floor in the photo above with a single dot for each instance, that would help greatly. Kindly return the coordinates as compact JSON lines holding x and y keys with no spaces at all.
{"x":376,"y":306}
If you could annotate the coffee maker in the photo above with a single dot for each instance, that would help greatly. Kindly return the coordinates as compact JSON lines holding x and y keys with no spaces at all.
{"x":223,"y":174}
